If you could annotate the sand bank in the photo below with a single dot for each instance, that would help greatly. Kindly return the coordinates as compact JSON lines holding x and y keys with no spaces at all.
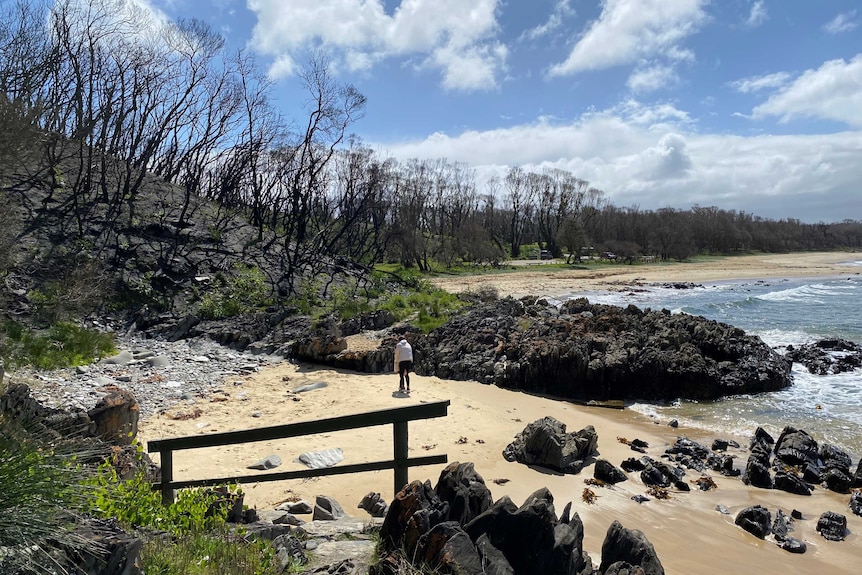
{"x":538,"y":279}
{"x":690,"y":536}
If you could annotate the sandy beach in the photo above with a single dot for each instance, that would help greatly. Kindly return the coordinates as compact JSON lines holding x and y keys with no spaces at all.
{"x":689,"y":535}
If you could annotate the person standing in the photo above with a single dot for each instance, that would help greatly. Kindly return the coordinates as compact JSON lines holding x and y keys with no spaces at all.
{"x":403,"y":363}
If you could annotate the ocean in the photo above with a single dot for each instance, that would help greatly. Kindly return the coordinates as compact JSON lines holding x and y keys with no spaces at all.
{"x":781,"y":312}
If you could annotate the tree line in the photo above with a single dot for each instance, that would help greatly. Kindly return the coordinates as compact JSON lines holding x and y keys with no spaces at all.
{"x":105,"y":85}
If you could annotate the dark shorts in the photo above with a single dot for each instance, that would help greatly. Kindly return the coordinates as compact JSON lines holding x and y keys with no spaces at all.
{"x":405,"y":366}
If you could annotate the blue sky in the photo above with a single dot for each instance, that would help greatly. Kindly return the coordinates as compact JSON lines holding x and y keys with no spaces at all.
{"x":751,"y":105}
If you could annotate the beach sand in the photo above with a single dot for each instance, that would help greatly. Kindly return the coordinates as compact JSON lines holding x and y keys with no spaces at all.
{"x":689,"y":535}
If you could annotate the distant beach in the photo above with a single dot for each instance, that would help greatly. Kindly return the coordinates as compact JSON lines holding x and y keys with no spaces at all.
{"x":689,"y":535}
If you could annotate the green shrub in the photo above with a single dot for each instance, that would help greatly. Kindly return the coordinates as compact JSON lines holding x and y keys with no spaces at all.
{"x":245,"y":291}
{"x":61,"y":345}
{"x":38,"y":482}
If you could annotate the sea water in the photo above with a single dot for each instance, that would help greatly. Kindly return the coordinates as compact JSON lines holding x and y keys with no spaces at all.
{"x":781,"y":312}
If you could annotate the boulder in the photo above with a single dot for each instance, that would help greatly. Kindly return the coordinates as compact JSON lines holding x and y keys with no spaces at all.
{"x":837,"y":480}
{"x":464,"y":490}
{"x":757,"y":474}
{"x":832,"y":526}
{"x":546,"y":443}
{"x":796,"y":447}
{"x":629,"y":546}
{"x":605,"y":471}
{"x":116,"y":417}
{"x":530,"y":537}
{"x":327,"y":509}
{"x":857,"y":477}
{"x":756,"y":520}
{"x":374,"y":504}
{"x":791,"y":483}
{"x":446,"y":548}
{"x":414,"y":511}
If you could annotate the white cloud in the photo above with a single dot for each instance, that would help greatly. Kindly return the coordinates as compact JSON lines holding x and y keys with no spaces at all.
{"x":651,"y":157}
{"x":758,"y":14}
{"x":562,"y":10}
{"x":631,"y":30}
{"x":651,"y":78}
{"x":757,"y":83}
{"x":844,"y":22}
{"x":456,"y":37}
{"x":831,"y":92}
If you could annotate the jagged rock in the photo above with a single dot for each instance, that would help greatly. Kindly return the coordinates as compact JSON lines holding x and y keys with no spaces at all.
{"x":446,"y":548}
{"x":857,"y":477}
{"x":834,"y":457}
{"x":321,"y":459}
{"x":629,"y":546}
{"x":112,"y":551}
{"x":817,"y":359}
{"x":289,"y":550}
{"x":605,"y":471}
{"x":756,"y":520}
{"x":796,"y":447}
{"x":530,"y":537}
{"x":791,"y":483}
{"x":856,"y":503}
{"x":781,"y":526}
{"x":837,"y":480}
{"x":414,"y":510}
{"x":327,"y":509}
{"x":832,"y":526}
{"x":116,"y":417}
{"x":793,"y":545}
{"x":296,"y":507}
{"x":757,"y":474}
{"x":374,"y":504}
{"x":607,"y":353}
{"x":546,"y":443}
{"x":464,"y":490}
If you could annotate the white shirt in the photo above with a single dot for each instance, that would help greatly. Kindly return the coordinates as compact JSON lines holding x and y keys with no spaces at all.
{"x":403,"y":352}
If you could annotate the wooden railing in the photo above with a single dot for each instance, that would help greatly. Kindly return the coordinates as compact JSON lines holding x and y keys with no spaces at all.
{"x":400,"y":462}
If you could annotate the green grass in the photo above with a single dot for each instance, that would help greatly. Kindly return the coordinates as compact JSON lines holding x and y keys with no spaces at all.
{"x":61,"y":345}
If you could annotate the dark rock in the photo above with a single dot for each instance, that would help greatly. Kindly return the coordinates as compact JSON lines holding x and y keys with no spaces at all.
{"x":837,"y":480}
{"x":414,"y":511}
{"x":493,"y":559}
{"x":464,"y":490}
{"x":653,"y":476}
{"x":796,"y":447}
{"x":630,"y":546}
{"x":857,"y":477}
{"x":756,"y":520}
{"x":111,"y":551}
{"x":605,"y":471}
{"x":446,"y":548}
{"x":530,"y":537}
{"x":685,"y":446}
{"x":639,"y":498}
{"x":601,"y":352}
{"x":374,"y":504}
{"x":623,"y":568}
{"x":833,"y":457}
{"x":856,"y":503}
{"x":796,"y":514}
{"x":793,"y":545}
{"x":546,"y":443}
{"x":757,"y":474}
{"x":791,"y":483}
{"x":673,"y":423}
{"x":832,"y":526}
{"x":632,"y":464}
{"x":761,"y":436}
{"x":720,"y":445}
{"x":782,"y":525}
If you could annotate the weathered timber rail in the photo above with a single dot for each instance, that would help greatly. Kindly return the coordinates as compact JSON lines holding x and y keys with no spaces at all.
{"x":398,"y":417}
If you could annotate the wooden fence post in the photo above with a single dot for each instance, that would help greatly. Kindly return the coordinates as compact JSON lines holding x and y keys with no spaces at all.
{"x":167,"y":463}
{"x":399,"y":432}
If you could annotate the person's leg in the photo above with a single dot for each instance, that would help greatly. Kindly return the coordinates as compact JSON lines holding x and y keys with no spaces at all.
{"x":400,"y":378}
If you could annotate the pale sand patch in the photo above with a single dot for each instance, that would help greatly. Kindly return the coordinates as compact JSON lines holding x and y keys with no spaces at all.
{"x":540,"y":281}
{"x":689,"y":535}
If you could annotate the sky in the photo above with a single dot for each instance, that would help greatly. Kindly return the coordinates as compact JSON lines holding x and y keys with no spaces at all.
{"x":746,"y":105}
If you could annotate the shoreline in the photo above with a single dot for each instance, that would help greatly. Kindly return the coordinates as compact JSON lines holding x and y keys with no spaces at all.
{"x":612,"y":277}
{"x":688,"y":533}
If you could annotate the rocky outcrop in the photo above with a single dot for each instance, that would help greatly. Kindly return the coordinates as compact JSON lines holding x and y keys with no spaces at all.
{"x":827,"y":356}
{"x":546,"y":443}
{"x":628,"y":547}
{"x":592,"y":351}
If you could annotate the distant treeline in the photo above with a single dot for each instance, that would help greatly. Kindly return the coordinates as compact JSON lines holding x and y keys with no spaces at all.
{"x":122,"y":95}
